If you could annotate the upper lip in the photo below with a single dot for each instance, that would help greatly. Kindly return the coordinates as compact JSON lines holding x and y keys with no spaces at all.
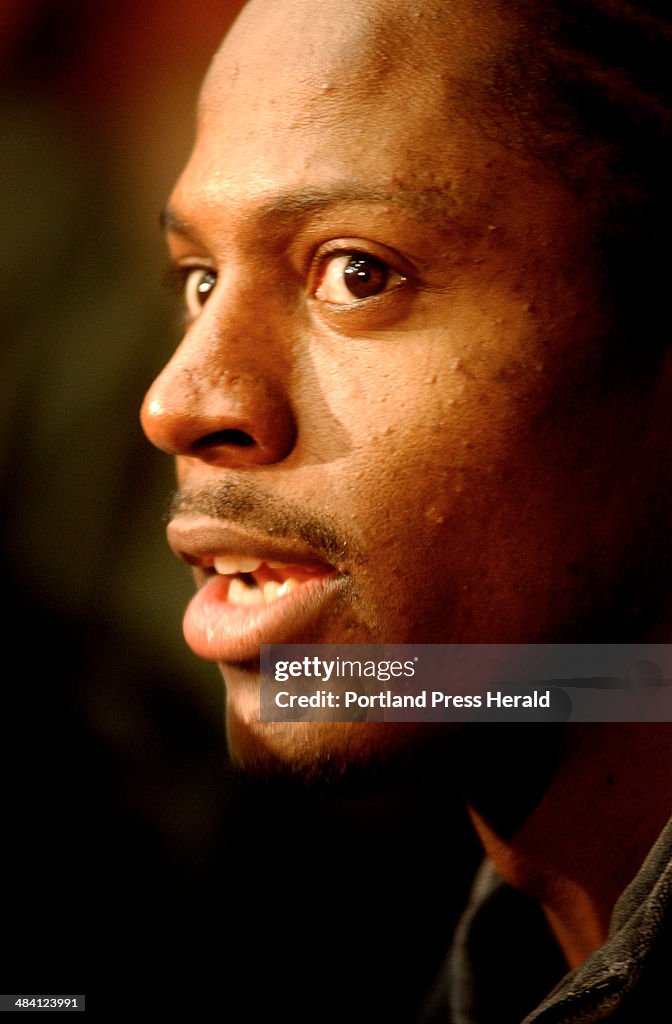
{"x":197,"y":540}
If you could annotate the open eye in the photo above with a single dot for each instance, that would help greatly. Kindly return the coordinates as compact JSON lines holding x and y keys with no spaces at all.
{"x":198,"y":283}
{"x":350,"y":277}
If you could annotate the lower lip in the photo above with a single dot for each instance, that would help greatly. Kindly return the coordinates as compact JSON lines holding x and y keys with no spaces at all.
{"x":217,"y":630}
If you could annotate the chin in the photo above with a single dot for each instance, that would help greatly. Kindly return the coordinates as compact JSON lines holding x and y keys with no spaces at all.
{"x":351,"y":760}
{"x":321,"y":751}
{"x":312,"y":750}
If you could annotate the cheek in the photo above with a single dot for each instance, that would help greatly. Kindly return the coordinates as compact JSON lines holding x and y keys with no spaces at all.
{"x":418,"y":433}
{"x":399,"y":495}
{"x":435,"y":491}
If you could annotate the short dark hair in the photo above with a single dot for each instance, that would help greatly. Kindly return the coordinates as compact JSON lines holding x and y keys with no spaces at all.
{"x":585,"y":86}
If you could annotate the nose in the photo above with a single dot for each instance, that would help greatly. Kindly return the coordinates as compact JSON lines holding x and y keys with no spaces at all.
{"x":220,"y":402}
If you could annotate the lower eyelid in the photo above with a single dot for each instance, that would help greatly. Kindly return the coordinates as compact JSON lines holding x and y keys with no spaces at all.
{"x":381,"y":312}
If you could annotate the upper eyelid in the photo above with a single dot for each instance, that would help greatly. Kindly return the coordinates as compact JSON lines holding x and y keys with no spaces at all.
{"x":352,"y":253}
{"x":352,"y":246}
{"x":183,"y":250}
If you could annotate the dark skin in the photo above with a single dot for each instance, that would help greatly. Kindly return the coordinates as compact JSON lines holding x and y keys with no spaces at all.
{"x":429,"y":458}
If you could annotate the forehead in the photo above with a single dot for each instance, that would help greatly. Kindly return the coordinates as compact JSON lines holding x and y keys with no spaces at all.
{"x":320,"y":93}
{"x":302,"y":49}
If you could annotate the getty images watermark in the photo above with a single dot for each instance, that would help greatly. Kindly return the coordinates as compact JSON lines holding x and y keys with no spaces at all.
{"x":466,"y":682}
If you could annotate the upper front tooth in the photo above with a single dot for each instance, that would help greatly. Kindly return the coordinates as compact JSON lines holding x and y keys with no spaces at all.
{"x":229,"y":565}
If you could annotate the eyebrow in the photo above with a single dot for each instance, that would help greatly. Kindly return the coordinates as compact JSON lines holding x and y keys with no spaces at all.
{"x":436,"y":204}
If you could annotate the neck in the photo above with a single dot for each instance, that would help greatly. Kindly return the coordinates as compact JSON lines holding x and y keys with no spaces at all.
{"x":588,"y":836}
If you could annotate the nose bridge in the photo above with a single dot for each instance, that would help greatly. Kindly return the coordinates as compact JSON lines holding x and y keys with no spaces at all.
{"x":223,"y":396}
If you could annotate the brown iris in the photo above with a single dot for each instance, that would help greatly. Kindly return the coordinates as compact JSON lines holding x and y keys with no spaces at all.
{"x":365,"y":276}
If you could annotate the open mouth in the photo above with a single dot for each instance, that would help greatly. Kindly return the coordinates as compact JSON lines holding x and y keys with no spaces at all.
{"x":251,"y":589}
{"x":255,"y":582}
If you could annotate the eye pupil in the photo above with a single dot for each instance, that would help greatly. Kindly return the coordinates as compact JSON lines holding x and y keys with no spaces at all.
{"x":365,"y":276}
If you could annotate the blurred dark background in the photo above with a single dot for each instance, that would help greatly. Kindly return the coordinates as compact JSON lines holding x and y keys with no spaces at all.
{"x":135,"y":866}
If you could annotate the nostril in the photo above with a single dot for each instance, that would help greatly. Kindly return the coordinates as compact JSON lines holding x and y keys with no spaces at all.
{"x":225,"y":437}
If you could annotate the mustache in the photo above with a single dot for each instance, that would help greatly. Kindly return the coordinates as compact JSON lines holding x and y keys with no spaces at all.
{"x":247,"y":505}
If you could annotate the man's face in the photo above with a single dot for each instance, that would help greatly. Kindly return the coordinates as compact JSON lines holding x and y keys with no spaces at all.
{"x":393,"y":410}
